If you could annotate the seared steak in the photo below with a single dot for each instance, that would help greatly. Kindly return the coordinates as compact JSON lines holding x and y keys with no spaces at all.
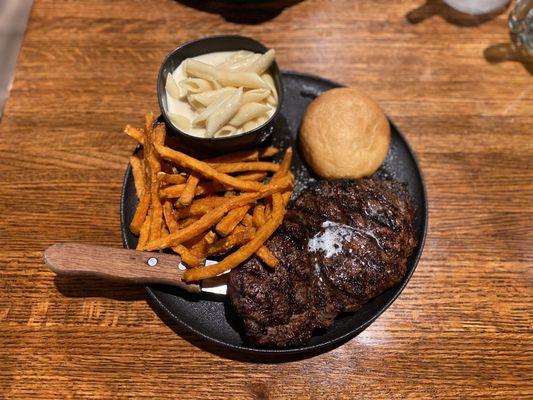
{"x":341,"y":243}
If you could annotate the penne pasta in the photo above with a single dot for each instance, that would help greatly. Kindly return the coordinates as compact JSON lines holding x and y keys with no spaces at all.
{"x":198,"y":107}
{"x":195,"y":85}
{"x":199,"y":69}
{"x":248,"y":112}
{"x":271,"y":101}
{"x":239,"y":60}
{"x":236,"y":56}
{"x":248,"y":126}
{"x":215,"y":83}
{"x":204,"y":99}
{"x":180,"y":122}
{"x":171,"y":87}
{"x":261,"y":120}
{"x":267,"y":78}
{"x":262,"y":63}
{"x":198,"y":132}
{"x":213,"y":106}
{"x":245,"y":63}
{"x":240,"y":79}
{"x":255,"y":95}
{"x":226,"y":130}
{"x":224,"y":113}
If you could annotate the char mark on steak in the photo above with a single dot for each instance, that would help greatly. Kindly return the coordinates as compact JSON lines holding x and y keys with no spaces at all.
{"x":341,"y":244}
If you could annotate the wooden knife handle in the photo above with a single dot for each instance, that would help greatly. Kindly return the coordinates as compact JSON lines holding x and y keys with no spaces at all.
{"x":116,"y":264}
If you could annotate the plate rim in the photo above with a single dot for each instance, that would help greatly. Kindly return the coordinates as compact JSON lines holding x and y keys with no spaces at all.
{"x":306,"y":348}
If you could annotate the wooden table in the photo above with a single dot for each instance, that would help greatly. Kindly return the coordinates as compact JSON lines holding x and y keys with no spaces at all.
{"x":461,"y":329}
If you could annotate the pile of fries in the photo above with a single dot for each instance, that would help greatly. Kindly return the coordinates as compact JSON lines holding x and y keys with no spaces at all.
{"x":198,"y":209}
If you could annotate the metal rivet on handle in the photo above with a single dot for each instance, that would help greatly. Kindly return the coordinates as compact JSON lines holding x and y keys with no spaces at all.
{"x":152,"y":261}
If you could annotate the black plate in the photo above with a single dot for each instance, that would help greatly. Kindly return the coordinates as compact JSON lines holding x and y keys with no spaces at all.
{"x":212,"y":317}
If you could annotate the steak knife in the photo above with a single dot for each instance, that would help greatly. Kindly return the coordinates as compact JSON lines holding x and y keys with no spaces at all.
{"x":133,"y":266}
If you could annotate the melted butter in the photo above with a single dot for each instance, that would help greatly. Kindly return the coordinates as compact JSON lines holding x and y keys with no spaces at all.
{"x":330,"y":239}
{"x":333,"y":236}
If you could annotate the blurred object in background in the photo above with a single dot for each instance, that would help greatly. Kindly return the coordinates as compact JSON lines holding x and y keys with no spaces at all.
{"x":520,"y":47}
{"x":13,"y":20}
{"x":477,"y":7}
{"x":521,"y":25}
{"x":468,"y":13}
{"x":250,"y":12}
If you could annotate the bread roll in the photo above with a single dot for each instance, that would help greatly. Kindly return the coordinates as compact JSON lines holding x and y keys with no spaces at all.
{"x":344,"y":134}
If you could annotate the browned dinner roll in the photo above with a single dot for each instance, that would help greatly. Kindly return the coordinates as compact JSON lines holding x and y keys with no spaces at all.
{"x":344,"y":134}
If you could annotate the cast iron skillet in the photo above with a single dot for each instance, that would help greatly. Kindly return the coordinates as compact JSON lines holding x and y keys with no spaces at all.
{"x":212,"y":317}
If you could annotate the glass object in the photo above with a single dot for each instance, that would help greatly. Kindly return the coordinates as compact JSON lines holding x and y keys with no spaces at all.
{"x":477,"y":7}
{"x":521,"y":25}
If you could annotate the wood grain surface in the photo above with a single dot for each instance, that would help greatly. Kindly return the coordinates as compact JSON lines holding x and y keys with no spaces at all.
{"x":461,"y":329}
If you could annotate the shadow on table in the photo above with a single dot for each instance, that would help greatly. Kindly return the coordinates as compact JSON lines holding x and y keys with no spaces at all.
{"x":87,"y":286}
{"x":242,"y":12}
{"x":221,"y":350}
{"x":438,"y":7}
{"x":503,"y":52}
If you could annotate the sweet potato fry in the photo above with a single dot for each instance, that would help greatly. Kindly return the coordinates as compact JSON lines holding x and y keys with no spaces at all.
{"x":286,"y":197}
{"x":160,"y":133}
{"x":247,"y":155}
{"x":247,"y":221}
{"x":169,"y":216}
{"x":206,"y":187}
{"x":175,"y":191}
{"x":135,"y":133}
{"x":195,"y":240}
{"x":157,"y":135}
{"x":144,"y":201}
{"x":149,"y":119}
{"x":258,"y":215}
{"x":204,"y":169}
{"x":239,"y":236}
{"x":137,"y":170}
{"x":203,"y":188}
{"x":252,"y":176}
{"x":209,"y":201}
{"x":189,"y":259}
{"x":171,"y":178}
{"x":189,"y":190}
{"x":283,"y":171}
{"x":210,"y":237}
{"x":140,"y":213}
{"x":172,"y":192}
{"x":268,"y":209}
{"x":231,"y":220}
{"x":215,"y":215}
{"x":144,"y":234}
{"x":200,"y":248}
{"x":184,"y":223}
{"x":170,"y":219}
{"x":243,"y":253}
{"x":267,"y":257}
{"x":201,"y":206}
{"x":284,"y":166}
{"x":229,"y":168}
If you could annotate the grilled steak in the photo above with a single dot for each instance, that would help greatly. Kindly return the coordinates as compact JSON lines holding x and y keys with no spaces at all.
{"x":341,"y":243}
